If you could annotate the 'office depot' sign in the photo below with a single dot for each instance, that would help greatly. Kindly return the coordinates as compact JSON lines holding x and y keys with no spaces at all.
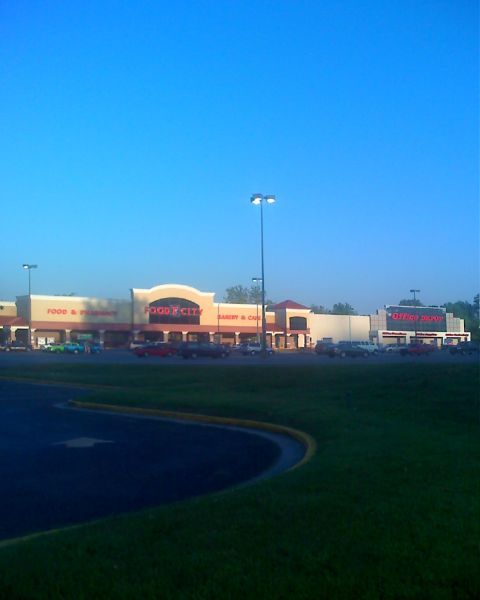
{"x":413,"y":318}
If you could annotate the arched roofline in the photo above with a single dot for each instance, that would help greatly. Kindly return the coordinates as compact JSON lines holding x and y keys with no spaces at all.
{"x":171,"y":286}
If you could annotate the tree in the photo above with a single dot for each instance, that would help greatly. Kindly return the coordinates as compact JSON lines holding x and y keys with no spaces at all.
{"x":318,"y":309}
{"x":341,"y":308}
{"x":239,"y":294}
{"x":410,"y":302}
{"x":255,"y":294}
{"x":468,"y":312}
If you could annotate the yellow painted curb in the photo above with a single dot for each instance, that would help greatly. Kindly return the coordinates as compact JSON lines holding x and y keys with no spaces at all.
{"x":300,"y":436}
{"x":87,"y":386}
{"x":39,"y":534}
{"x":304,"y":438}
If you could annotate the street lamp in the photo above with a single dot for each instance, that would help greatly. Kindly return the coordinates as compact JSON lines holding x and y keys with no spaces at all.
{"x":256,"y":281}
{"x":29,"y":268}
{"x":415,"y":304}
{"x":260,"y":199}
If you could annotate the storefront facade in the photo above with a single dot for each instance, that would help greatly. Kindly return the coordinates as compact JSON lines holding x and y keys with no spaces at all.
{"x":11,"y":325}
{"x":170,"y":312}
{"x":65,"y":318}
{"x":182,"y":313}
{"x":407,"y":324}
{"x":175,"y":312}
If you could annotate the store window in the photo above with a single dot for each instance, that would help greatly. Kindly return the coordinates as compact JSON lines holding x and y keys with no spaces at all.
{"x":298,"y":323}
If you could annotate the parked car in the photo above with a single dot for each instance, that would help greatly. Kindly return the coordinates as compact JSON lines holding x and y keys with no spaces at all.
{"x":395,"y":348}
{"x":236,"y":348}
{"x":344,"y":349}
{"x":324,"y":348}
{"x":16,"y":346}
{"x":465,"y":348}
{"x":370,"y":347}
{"x":136,"y":344}
{"x":57,"y":347}
{"x":196,"y":349}
{"x":417,"y":349}
{"x":156,"y":349}
{"x":47,"y":347}
{"x":93,"y":347}
{"x":73,"y":348}
{"x":253,"y":349}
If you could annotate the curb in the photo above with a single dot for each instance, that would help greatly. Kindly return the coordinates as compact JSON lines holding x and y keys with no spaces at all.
{"x":86,"y":386}
{"x":300,"y":436}
{"x":304,"y":438}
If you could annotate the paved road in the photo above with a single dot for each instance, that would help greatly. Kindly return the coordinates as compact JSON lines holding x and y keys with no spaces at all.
{"x":127,"y":357}
{"x":60,"y":466}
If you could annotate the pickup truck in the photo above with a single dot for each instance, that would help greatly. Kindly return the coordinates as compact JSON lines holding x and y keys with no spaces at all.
{"x":465,"y":348}
{"x":253,"y":349}
{"x":15,"y":346}
{"x":418,"y":349}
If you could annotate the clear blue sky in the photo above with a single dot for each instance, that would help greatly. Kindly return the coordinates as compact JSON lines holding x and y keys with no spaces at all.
{"x":133,"y":133}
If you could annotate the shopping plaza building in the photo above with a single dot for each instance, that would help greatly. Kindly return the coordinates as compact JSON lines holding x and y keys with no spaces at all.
{"x":174,"y":312}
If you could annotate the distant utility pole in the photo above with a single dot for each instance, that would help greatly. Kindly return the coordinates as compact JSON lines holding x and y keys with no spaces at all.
{"x":416,"y":312}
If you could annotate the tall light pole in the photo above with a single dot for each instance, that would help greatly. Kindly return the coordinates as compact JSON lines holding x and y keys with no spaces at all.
{"x":260,"y":199}
{"x":29,"y":268}
{"x":415,"y":304}
{"x":256,"y":281}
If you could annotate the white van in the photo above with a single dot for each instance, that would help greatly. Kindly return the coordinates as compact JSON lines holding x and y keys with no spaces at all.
{"x":370,"y":347}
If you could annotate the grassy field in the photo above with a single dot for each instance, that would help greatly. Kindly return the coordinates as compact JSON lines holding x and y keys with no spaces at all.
{"x":389,"y":506}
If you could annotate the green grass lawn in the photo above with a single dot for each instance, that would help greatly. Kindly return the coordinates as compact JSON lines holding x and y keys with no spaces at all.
{"x":388,"y":507}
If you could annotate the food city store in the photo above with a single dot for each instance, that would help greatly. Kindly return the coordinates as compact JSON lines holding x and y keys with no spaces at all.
{"x":174,"y":312}
{"x":169,"y":312}
{"x":182,"y":313}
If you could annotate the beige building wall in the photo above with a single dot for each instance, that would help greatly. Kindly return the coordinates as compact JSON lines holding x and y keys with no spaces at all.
{"x":340,"y":327}
{"x":74,"y":310}
{"x":8,"y":309}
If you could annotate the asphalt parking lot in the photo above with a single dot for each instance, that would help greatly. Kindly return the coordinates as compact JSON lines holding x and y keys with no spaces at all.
{"x":287,"y":358}
{"x":61,"y":466}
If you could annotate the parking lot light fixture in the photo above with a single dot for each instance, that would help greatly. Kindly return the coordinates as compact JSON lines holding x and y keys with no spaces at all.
{"x":256,"y":281}
{"x":259,"y":199}
{"x":415,"y":304}
{"x":29,"y":267}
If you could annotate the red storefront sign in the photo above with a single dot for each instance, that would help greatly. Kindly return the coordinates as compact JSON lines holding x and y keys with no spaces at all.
{"x":240,"y":317}
{"x":173,"y":311}
{"x":82,"y":312}
{"x":403,"y":316}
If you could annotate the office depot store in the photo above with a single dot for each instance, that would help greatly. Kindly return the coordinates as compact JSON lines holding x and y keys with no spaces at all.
{"x":406,"y":324}
{"x":174,"y":312}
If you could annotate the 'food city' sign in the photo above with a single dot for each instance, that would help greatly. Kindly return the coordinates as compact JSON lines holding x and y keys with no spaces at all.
{"x":174,"y":311}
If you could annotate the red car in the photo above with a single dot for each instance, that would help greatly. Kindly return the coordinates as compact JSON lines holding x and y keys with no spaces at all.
{"x":160,"y":349}
{"x":418,"y":349}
